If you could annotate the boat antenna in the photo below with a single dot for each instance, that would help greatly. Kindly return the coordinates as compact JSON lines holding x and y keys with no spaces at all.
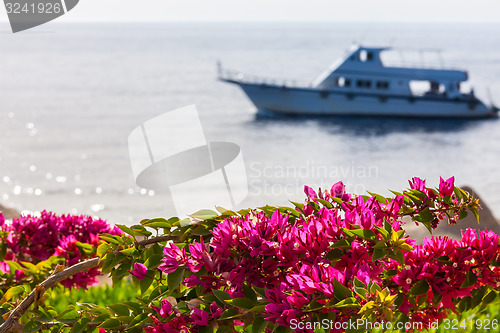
{"x":219,"y":68}
{"x":492,"y":102}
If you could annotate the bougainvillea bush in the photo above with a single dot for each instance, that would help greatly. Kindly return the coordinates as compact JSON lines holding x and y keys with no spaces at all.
{"x":337,"y":262}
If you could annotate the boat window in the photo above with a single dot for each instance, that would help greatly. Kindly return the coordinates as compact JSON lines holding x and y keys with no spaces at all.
{"x":363,"y":55}
{"x":364,"y":84}
{"x":343,"y":82}
{"x":382,"y":85}
{"x":426,"y":88}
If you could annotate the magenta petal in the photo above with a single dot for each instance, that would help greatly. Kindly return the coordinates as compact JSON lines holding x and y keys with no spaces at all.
{"x":139,"y":271}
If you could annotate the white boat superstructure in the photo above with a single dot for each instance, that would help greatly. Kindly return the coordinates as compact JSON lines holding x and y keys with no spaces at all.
{"x":360,"y":84}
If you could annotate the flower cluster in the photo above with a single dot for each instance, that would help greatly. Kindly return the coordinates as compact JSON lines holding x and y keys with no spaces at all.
{"x":36,"y":238}
{"x":338,"y":254}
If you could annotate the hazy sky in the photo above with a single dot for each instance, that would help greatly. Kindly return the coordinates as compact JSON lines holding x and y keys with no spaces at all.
{"x":286,"y":10}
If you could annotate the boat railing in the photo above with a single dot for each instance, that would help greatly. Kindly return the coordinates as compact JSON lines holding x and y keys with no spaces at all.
{"x":232,"y":75}
{"x":418,"y":58}
{"x":421,"y":65}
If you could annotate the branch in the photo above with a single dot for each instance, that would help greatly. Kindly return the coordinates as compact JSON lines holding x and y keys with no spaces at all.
{"x":50,"y":282}
{"x":158,"y":239}
{"x":58,"y":277}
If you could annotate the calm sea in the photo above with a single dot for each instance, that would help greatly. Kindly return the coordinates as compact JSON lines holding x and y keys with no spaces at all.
{"x":72,"y":93}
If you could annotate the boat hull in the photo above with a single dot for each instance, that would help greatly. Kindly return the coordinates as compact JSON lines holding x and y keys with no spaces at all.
{"x":314,"y":102}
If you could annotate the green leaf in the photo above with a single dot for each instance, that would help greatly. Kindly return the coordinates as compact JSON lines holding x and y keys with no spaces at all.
{"x":145,"y":284}
{"x":470,"y":280}
{"x":221,"y":295}
{"x":110,"y":238}
{"x":32,"y":268}
{"x":138,"y":320}
{"x":224,"y":329}
{"x":341,"y":291}
{"x":342,"y":244}
{"x":79,"y":326}
{"x":174,"y":279}
{"x":230,"y":313}
{"x":414,"y":198}
{"x":365,"y":233}
{"x":102,"y":249}
{"x":337,"y":200}
{"x":298,"y":205}
{"x":334,"y":254}
{"x":477,"y":296}
{"x":120,"y":309}
{"x":185,"y":222}
{"x":32,"y":326}
{"x":44,"y":315}
{"x":379,"y":197}
{"x":258,"y":308}
{"x":154,"y":261}
{"x":268,"y":210}
{"x":424,"y":216}
{"x":490,"y":297}
{"x":14,"y":266}
{"x":325,"y":203}
{"x":200,"y":230}
{"x":381,"y":245}
{"x":476,"y":214}
{"x":242,"y":303}
{"x":110,"y":323}
{"x":378,"y":253}
{"x":400,"y":257}
{"x":204,"y":214}
{"x":130,"y":251}
{"x":420,"y":288}
{"x":134,"y":306}
{"x":428,"y":226}
{"x":463,"y":214}
{"x":350,"y":302}
{"x":160,"y":223}
{"x":259,"y":325}
{"x":3,"y":250}
{"x":396,"y":193}
{"x":359,"y":283}
{"x":390,"y":273}
{"x":141,"y":231}
{"x":244,"y":211}
{"x":249,"y":293}
{"x":283,"y":329}
{"x":126,"y":229}
{"x":11,"y":293}
{"x":85,"y":247}
{"x":384,"y":232}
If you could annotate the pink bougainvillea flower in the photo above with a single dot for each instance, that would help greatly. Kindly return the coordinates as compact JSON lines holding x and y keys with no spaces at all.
{"x":200,"y":317}
{"x":446,"y":186}
{"x":165,"y":310}
{"x":417,"y":184}
{"x":310,"y":193}
{"x":215,"y":310}
{"x":191,"y":281}
{"x":19,"y":274}
{"x":174,"y":257}
{"x":139,"y":271}
{"x":4,"y":268}
{"x":338,"y":191}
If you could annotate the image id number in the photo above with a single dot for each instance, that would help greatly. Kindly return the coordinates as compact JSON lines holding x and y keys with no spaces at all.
{"x":40,"y":8}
